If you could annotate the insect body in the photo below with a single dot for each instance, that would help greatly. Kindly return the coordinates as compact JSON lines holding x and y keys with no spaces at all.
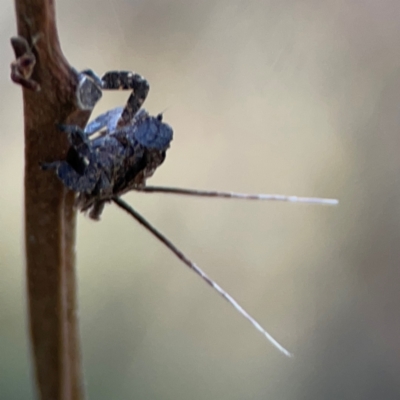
{"x":129,"y":146}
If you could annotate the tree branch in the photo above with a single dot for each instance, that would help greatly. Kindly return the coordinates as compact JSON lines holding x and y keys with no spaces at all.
{"x":49,"y":207}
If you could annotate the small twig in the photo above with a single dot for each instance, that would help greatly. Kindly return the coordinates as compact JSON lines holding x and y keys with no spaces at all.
{"x":122,"y":204}
{"x":233,"y":195}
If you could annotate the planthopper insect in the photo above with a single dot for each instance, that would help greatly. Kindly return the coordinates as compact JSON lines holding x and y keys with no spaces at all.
{"x":119,"y":150}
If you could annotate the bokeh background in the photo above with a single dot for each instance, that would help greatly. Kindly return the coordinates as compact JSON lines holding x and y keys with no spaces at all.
{"x":293,"y":97}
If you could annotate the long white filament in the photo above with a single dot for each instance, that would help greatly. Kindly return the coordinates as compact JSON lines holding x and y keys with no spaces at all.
{"x":234,"y":195}
{"x":119,"y":202}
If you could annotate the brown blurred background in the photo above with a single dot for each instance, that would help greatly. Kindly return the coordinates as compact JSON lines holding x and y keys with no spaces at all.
{"x":294,"y":97}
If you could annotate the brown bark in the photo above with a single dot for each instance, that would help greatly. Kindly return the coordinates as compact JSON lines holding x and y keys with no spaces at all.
{"x":49,"y":208}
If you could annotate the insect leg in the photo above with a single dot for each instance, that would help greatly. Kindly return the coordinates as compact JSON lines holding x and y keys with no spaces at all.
{"x":77,"y":138}
{"x":96,"y":210}
{"x":127,"y":80}
{"x":79,"y":154}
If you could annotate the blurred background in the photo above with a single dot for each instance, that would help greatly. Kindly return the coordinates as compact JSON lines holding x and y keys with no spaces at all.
{"x":292,"y":97}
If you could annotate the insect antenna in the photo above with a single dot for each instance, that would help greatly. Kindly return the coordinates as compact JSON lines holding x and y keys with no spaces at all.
{"x":234,"y":195}
{"x":125,"y":206}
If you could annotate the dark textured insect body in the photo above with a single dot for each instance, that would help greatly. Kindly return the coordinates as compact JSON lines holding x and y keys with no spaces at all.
{"x":127,"y":146}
